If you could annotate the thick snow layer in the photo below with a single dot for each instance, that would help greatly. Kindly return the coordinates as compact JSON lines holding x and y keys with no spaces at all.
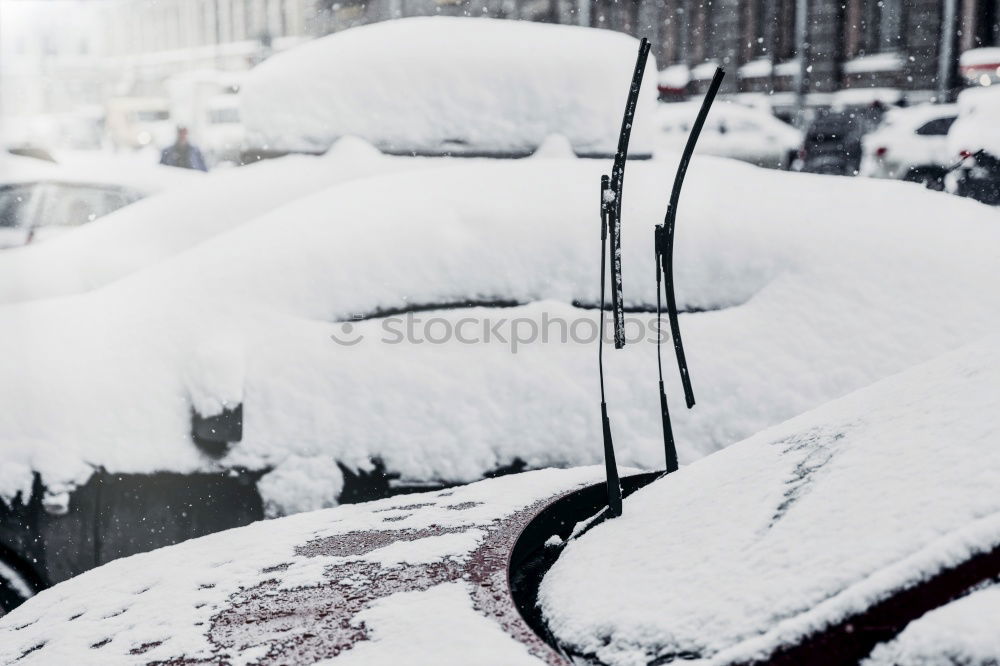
{"x":976,"y":127}
{"x":796,"y":528}
{"x":962,"y":632}
{"x":434,"y":85}
{"x":676,"y":77}
{"x":814,"y":286}
{"x":156,"y":228}
{"x":275,"y":587}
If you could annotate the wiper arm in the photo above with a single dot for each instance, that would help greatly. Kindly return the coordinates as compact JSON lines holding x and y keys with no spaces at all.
{"x":611,"y":208}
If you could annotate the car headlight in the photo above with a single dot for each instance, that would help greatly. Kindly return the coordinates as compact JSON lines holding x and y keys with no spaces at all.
{"x":144,"y":138}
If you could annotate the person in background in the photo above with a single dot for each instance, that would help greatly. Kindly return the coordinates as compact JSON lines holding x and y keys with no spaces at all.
{"x":183,"y":154}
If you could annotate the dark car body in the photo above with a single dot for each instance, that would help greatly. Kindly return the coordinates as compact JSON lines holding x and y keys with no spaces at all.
{"x":977,"y":177}
{"x":832,"y":143}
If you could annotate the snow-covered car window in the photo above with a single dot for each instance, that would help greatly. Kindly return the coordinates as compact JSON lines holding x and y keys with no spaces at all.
{"x":15,"y":205}
{"x":73,"y":205}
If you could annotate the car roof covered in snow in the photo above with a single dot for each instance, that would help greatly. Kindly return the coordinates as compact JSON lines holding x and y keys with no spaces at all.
{"x":794,"y":299}
{"x":911,"y":118}
{"x":370,"y":583}
{"x":145,"y":179}
{"x":449,"y":85}
{"x":802,"y":534}
{"x":152,"y":230}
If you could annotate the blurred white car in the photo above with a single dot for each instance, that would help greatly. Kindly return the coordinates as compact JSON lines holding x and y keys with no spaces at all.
{"x":911,"y":144}
{"x":731,"y":130}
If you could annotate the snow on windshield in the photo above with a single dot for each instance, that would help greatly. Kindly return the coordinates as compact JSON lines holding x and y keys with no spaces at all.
{"x":796,"y":528}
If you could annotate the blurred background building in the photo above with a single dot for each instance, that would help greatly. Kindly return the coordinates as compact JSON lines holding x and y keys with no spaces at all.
{"x":61,"y":56}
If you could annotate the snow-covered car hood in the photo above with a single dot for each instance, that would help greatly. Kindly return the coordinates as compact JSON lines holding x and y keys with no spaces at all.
{"x":805,"y":529}
{"x":450,"y":85}
{"x":794,"y":300}
{"x":374,"y":583}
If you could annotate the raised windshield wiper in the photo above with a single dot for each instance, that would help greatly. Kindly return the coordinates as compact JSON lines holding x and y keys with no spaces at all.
{"x":611,"y":209}
{"x":666,"y":252}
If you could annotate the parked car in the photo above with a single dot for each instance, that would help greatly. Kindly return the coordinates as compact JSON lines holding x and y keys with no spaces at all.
{"x":832,"y":143}
{"x":282,"y":363}
{"x":864,"y":531}
{"x":731,"y":130}
{"x":974,"y":143}
{"x":34,"y":210}
{"x":39,"y":199}
{"x":252,"y":367}
{"x":509,"y":102}
{"x":911,"y":144}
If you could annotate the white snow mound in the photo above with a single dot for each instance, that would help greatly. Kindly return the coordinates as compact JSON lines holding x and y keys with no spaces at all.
{"x":450,"y":85}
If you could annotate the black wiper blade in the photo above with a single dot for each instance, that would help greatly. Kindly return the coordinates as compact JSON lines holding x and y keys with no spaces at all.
{"x":611,"y":209}
{"x":615,"y":207}
{"x":667,"y":242}
{"x":669,"y":448}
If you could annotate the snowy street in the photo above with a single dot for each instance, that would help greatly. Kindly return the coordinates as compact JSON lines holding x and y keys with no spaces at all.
{"x":547,"y":333}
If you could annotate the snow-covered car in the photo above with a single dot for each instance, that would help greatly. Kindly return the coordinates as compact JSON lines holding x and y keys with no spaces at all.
{"x":173,"y":221}
{"x":974,"y":142}
{"x":731,"y":130}
{"x":40,"y":200}
{"x":864,"y":531}
{"x":448,"y":86}
{"x":314,"y":341}
{"x":911,"y":144}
